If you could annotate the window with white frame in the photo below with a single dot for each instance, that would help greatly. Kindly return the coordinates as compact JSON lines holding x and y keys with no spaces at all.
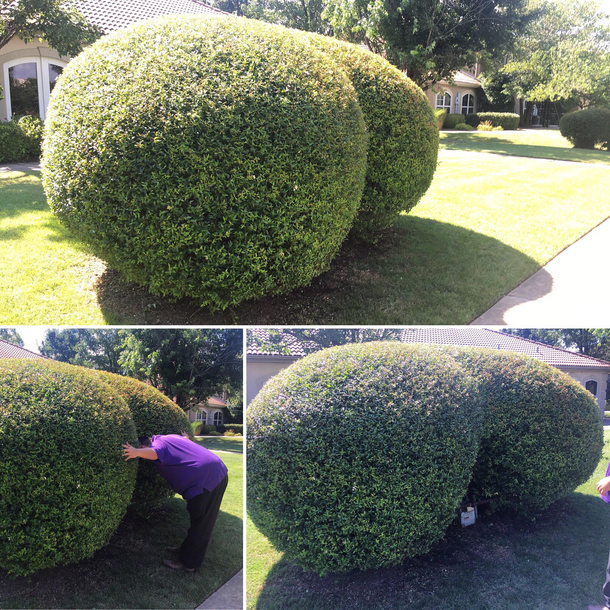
{"x":30,"y":81}
{"x":468,"y":103}
{"x":202,"y":416}
{"x":591,"y":386}
{"x":217,"y":418}
{"x":443,"y":100}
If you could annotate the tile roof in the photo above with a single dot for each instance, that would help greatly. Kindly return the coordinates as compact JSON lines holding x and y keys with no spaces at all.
{"x":295,"y":348}
{"x":216,"y":402}
{"x":10,"y":350}
{"x":110,"y":15}
{"x":463,"y":336}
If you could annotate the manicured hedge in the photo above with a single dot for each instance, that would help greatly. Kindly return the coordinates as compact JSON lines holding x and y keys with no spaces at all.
{"x":201,"y":429}
{"x":451,"y":120}
{"x":542,"y":434}
{"x":64,"y":484}
{"x":152,"y":413}
{"x":587,"y":128}
{"x":237,"y":428}
{"x":506,"y":120}
{"x":359,"y":455}
{"x":403,"y":136}
{"x":20,"y":140}
{"x":224,"y":160}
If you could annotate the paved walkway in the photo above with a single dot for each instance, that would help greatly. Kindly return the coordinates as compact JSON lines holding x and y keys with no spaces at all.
{"x":229,"y":597}
{"x":20,"y":167}
{"x":568,"y":292}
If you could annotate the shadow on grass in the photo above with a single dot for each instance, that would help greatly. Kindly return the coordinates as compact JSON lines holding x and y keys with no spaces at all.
{"x":422,"y":272}
{"x":215,"y":443}
{"x":558,"y":561}
{"x":505,"y":146}
{"x":128,"y":572}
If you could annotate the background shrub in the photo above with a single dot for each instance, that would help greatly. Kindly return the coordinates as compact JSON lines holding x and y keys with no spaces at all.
{"x":506,"y":120}
{"x":239,"y":179}
{"x":403,"y":136}
{"x":464,"y":127}
{"x":20,"y":139}
{"x":237,"y":428}
{"x":359,"y":455}
{"x":152,"y":413}
{"x":64,"y":485}
{"x":542,"y":433}
{"x":587,"y":128}
{"x":196,"y":428}
{"x":439,"y":115}
{"x":451,"y":120}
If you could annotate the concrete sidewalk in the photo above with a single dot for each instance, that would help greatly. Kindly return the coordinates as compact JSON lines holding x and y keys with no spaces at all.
{"x":21,"y":167}
{"x":229,"y":597}
{"x":571,"y":291}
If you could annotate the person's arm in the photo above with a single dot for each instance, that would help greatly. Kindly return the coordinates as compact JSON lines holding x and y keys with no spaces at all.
{"x":146,"y":453}
{"x":603,"y":485}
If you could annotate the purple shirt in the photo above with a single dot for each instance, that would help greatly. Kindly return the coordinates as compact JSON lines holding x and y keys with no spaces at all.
{"x":188,"y":467}
{"x":605,"y":496}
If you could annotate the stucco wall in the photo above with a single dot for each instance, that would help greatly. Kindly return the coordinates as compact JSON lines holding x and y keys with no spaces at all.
{"x":431,"y":95}
{"x":584,"y":375}
{"x":261,"y":368}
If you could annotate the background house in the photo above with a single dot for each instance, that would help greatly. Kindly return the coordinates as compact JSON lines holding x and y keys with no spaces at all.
{"x":28,"y":72}
{"x":10,"y":350}
{"x":590,"y":372}
{"x":213,"y":412}
{"x":458,"y":97}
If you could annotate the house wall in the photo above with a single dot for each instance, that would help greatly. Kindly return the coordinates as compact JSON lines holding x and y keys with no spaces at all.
{"x":261,"y":368}
{"x":584,"y":375}
{"x":452,"y":90}
{"x":192,"y":414}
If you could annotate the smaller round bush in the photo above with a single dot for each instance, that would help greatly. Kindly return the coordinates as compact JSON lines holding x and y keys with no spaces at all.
{"x":506,"y":120}
{"x":464,"y":127}
{"x":587,"y":128}
{"x":439,"y":116}
{"x":64,"y":484}
{"x":403,"y":136}
{"x":542,"y":433}
{"x":359,"y":455}
{"x":452,"y":120}
{"x":20,"y":139}
{"x":152,"y":413}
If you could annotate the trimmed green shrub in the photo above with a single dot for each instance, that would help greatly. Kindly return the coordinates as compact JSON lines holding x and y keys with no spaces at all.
{"x":237,"y":428}
{"x":506,"y":120}
{"x":542,"y":433}
{"x":20,"y":139}
{"x":464,"y":127}
{"x":403,"y":136}
{"x":32,"y":128}
{"x":439,"y":116}
{"x":359,"y":455}
{"x":451,"y":120}
{"x":152,"y":413}
{"x":485,"y":126}
{"x":64,"y":484}
{"x":587,"y":128}
{"x":239,"y":179}
{"x":214,"y":433}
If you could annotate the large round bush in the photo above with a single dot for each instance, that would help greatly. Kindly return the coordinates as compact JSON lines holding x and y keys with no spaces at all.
{"x":211,"y":157}
{"x":359,"y":455}
{"x":64,"y":484}
{"x":586,"y":128}
{"x":403,"y":135}
{"x":152,"y":413}
{"x":542,"y":433}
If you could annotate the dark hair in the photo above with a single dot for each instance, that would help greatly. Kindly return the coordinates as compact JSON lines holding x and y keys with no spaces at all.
{"x":144,"y":441}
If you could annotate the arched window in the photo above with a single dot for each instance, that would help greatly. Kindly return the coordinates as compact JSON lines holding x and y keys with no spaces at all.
{"x":468,"y":103}
{"x":202,"y":416}
{"x":443,"y":100}
{"x":591,"y":386}
{"x":217,"y":418}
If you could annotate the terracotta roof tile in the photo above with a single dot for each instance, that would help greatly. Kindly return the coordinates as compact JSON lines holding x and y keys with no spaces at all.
{"x":10,"y":350}
{"x":295,"y":348}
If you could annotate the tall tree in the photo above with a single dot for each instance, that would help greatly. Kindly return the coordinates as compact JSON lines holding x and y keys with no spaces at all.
{"x":12,"y":336}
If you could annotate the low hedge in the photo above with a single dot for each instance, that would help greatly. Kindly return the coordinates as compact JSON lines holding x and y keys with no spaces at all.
{"x":506,"y":120}
{"x":239,"y":179}
{"x":152,"y":413}
{"x":201,"y":429}
{"x":587,"y":128}
{"x":237,"y":428}
{"x":359,"y":455}
{"x":64,"y":484}
{"x":20,"y":139}
{"x":542,"y":434}
{"x":451,"y":120}
{"x":403,"y":136}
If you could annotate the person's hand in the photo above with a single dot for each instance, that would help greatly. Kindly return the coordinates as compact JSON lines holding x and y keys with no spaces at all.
{"x":603,"y":485}
{"x":129,"y":452}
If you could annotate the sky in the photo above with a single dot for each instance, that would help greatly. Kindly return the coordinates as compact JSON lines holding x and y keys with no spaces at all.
{"x":32,"y":336}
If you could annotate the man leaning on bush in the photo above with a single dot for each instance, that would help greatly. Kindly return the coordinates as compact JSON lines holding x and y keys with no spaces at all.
{"x":199,"y":476}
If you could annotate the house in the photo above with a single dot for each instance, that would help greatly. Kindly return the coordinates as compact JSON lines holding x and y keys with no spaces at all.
{"x":212,"y":412}
{"x":590,"y":372}
{"x":28,"y":72}
{"x":10,"y":350}
{"x":458,"y":96}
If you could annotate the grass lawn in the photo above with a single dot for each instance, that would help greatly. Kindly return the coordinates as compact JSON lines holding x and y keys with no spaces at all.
{"x":546,"y":144}
{"x":486,"y":224}
{"x":556,"y":562}
{"x":128,"y":573}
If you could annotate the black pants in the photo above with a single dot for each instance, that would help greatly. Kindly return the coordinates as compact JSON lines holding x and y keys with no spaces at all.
{"x":203,"y":510}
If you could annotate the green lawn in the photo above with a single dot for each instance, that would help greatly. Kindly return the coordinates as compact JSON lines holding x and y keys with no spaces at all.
{"x":546,"y":144}
{"x":128,"y":573}
{"x":486,"y":224}
{"x":557,"y":562}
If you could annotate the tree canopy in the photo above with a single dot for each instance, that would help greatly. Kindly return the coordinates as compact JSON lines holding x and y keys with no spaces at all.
{"x":12,"y":336}
{"x":593,"y":342}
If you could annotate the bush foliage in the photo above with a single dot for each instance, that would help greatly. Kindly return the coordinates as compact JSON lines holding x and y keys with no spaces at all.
{"x":403,"y":136}
{"x":452,"y":120}
{"x":349,"y":442}
{"x":20,"y":139}
{"x":239,"y":179}
{"x":587,"y":128}
{"x":152,"y":413}
{"x":64,"y":485}
{"x":505,"y":120}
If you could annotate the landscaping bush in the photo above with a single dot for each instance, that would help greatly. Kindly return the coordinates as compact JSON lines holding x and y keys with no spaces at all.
{"x":20,"y":139}
{"x":587,"y":128}
{"x":464,"y":127}
{"x":485,"y":126}
{"x":241,"y":178}
{"x":32,"y":128}
{"x":152,"y":413}
{"x":403,"y":136}
{"x":237,"y":428}
{"x":506,"y":120}
{"x":64,"y":484}
{"x":439,"y":116}
{"x":451,"y":120}
{"x":542,"y":434}
{"x":196,"y":428}
{"x":214,"y":433}
{"x":359,"y":455}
